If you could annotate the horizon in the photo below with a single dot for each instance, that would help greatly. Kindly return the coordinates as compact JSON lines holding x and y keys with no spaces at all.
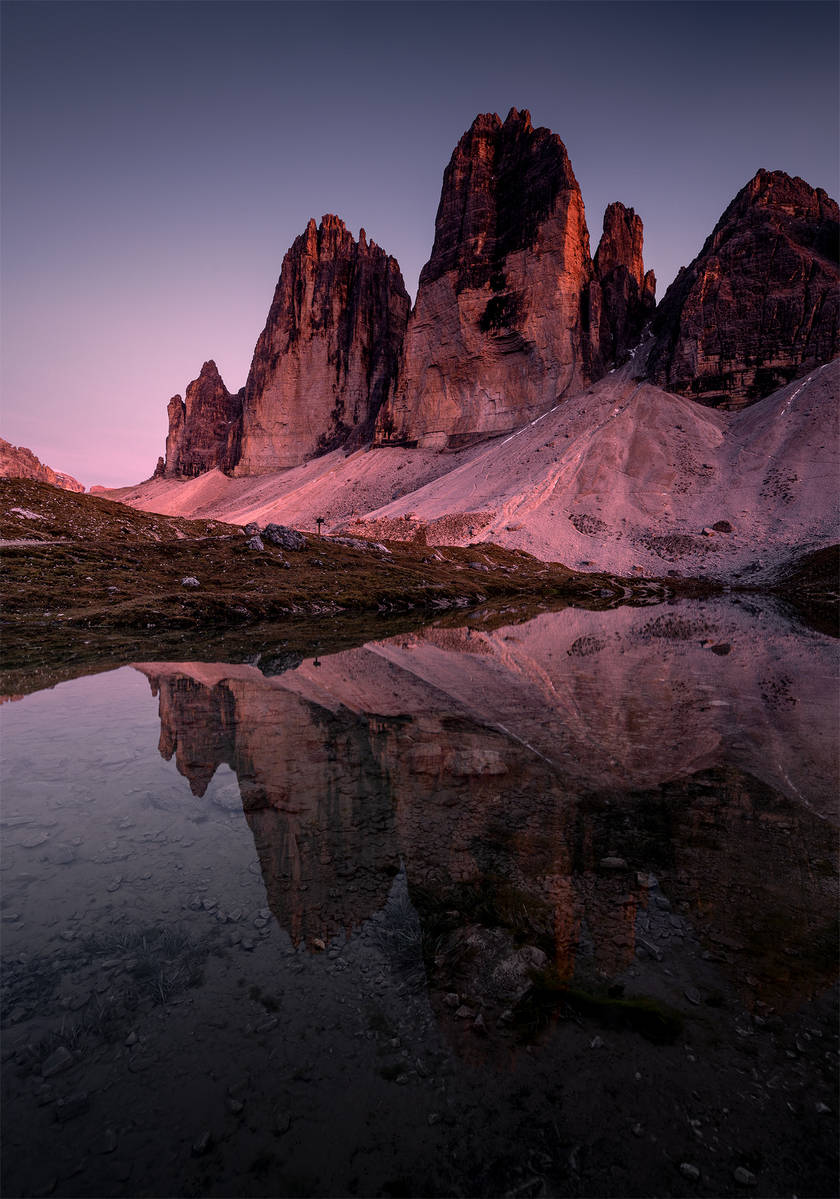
{"x":142,"y":258}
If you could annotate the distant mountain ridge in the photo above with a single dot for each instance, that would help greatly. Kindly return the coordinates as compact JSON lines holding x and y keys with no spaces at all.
{"x":513,"y":315}
{"x":18,"y":462}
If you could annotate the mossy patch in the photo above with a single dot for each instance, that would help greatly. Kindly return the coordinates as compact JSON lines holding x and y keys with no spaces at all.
{"x":550,"y":997}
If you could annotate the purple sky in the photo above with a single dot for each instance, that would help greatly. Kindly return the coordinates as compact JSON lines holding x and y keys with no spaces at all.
{"x":159,"y":159}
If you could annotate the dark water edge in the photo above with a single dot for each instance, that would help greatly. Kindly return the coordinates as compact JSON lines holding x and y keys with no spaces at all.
{"x":530,"y":909}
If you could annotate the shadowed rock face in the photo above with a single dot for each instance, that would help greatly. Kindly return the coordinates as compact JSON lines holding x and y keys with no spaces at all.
{"x":17,"y":462}
{"x":624,"y":300}
{"x":328,"y":354}
{"x":205,"y":430}
{"x":758,"y":306}
{"x":503,"y":328}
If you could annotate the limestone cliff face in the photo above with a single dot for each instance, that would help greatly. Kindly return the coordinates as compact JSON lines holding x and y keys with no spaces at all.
{"x":17,"y":462}
{"x":759,"y":304}
{"x":205,"y":429}
{"x":500,"y":330}
{"x":624,"y":295}
{"x":329,"y":350}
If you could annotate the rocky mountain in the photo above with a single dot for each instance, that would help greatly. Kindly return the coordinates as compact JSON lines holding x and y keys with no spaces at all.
{"x":625,"y":297}
{"x":205,"y":430}
{"x":503,"y":324}
{"x":513,"y":316}
{"x":328,"y":353}
{"x":321,"y":368}
{"x":759,"y":304}
{"x":17,"y":462}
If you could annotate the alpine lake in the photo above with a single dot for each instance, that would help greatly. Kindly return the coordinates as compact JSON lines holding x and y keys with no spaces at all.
{"x":514,"y":905}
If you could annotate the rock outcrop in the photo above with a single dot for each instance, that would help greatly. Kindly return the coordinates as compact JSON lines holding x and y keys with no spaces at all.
{"x":625,"y":296}
{"x":205,"y":430}
{"x":759,"y":304}
{"x":503,"y":325}
{"x":17,"y":462}
{"x":498,"y":332}
{"x":328,"y":354}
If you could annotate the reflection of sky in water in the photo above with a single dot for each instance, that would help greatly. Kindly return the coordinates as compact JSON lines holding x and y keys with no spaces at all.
{"x":598,"y":796}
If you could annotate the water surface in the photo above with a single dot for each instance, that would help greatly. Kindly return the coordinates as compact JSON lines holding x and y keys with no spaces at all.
{"x":544,"y":909}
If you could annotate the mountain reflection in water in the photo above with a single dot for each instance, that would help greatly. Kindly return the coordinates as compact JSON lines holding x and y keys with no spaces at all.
{"x":531,"y":780}
{"x":554,"y":912}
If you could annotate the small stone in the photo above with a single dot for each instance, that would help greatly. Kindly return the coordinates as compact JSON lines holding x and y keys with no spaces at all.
{"x":282,"y":1121}
{"x":596,"y":1043}
{"x":433,"y":1118}
{"x":464,"y":1012}
{"x":107,"y":1142}
{"x":822,"y":1109}
{"x":744,"y":1177}
{"x":235,"y":1106}
{"x":451,"y":1000}
{"x":317,"y":943}
{"x":637,"y":1130}
{"x":479,"y":1026}
{"x":72,"y":1106}
{"x":131,"y":1039}
{"x":255,"y":543}
{"x":248,"y":944}
{"x":689,"y":1171}
{"x":252,"y":528}
{"x":58,"y":1061}
{"x":190,"y":581}
{"x":202,"y":1144}
{"x":45,"y":1186}
{"x":692,"y":995}
{"x":613,"y":863}
{"x":33,"y":840}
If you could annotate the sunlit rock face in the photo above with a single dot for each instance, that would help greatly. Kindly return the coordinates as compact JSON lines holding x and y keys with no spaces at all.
{"x":17,"y":462}
{"x":502,"y":326}
{"x":205,"y":429}
{"x":759,"y":305}
{"x":537,"y":783}
{"x":328,"y":353}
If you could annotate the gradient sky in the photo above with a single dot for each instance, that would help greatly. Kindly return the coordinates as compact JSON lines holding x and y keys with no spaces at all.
{"x":160,"y":158}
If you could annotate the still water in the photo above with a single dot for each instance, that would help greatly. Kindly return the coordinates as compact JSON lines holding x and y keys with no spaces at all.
{"x":545,"y":908}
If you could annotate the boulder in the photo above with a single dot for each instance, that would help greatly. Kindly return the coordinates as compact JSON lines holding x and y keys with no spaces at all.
{"x":285,"y":538}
